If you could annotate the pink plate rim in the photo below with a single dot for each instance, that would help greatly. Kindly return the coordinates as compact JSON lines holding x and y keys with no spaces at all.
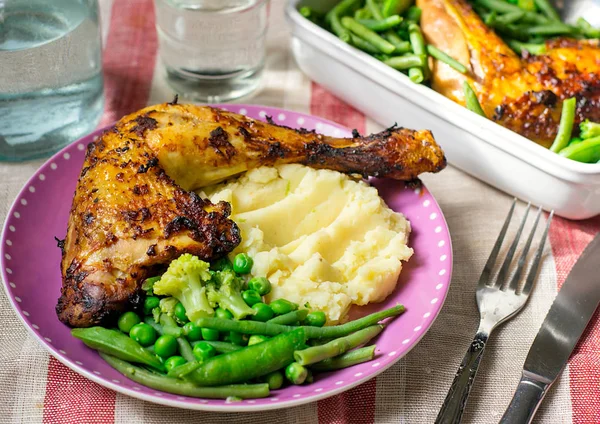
{"x":234,"y":406}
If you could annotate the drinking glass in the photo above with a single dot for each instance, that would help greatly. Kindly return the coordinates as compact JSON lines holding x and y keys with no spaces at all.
{"x":213,"y":50}
{"x":51,"y":90}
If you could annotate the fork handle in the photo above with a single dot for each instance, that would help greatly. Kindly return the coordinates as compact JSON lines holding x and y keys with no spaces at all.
{"x":525,"y":402}
{"x":456,"y":399}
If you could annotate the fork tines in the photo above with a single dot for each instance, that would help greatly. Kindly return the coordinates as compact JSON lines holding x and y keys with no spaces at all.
{"x":501,"y":281}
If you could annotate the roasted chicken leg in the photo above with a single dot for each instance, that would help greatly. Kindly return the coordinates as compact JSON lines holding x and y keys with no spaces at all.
{"x":133,"y":211}
{"x":523,"y":94}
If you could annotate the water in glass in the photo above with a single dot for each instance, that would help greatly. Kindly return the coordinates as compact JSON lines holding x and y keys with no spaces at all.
{"x":213,"y":50}
{"x":50,"y":75}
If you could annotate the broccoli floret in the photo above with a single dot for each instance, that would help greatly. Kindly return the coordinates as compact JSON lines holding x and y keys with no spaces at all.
{"x":589,"y":129}
{"x":225,"y":289}
{"x":186,"y":280}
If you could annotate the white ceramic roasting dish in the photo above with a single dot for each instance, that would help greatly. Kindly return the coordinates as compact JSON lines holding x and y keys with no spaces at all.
{"x":480,"y":147}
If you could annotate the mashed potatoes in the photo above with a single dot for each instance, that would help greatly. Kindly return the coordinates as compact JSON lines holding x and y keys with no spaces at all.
{"x":320,"y":237}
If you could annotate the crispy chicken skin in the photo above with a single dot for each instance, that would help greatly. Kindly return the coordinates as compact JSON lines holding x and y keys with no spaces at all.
{"x":523,"y":94}
{"x":134,"y":211}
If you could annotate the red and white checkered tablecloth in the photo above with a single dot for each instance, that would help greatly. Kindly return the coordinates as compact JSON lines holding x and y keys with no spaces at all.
{"x":37,"y":388}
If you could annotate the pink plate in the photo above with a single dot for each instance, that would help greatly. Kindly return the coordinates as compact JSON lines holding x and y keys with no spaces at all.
{"x":40,"y":213}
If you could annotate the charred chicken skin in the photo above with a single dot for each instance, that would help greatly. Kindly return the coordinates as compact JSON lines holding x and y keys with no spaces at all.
{"x":134,"y":209}
{"x":524,"y":94}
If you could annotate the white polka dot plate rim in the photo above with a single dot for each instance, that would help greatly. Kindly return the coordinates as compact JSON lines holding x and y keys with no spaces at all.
{"x":38,"y":216}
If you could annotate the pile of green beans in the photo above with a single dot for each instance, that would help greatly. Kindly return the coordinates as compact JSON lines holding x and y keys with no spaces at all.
{"x":586,"y":147}
{"x":526,"y":25}
{"x":221,"y":357}
{"x":387,"y":30}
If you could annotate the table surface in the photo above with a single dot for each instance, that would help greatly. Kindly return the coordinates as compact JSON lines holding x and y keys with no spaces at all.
{"x":37,"y":388}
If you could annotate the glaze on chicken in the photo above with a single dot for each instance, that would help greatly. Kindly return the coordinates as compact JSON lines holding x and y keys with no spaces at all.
{"x":524,"y":94}
{"x":134,"y":211}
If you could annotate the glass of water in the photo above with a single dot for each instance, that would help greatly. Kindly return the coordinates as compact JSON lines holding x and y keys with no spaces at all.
{"x":51,"y":90}
{"x":213,"y":50}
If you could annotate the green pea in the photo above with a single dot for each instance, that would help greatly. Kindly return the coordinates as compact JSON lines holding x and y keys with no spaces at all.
{"x":256,"y":338}
{"x":210,"y":334}
{"x":143,"y":334}
{"x":127,"y":321}
{"x":282,"y":306}
{"x":174,"y":361}
{"x":263,"y":312}
{"x":238,"y":338}
{"x":165,"y":346}
{"x":221,"y":264}
{"x":274,"y":380}
{"x":180,"y":314}
{"x":296,"y":373}
{"x":260,"y":285}
{"x":150,"y":303}
{"x":251,"y":297}
{"x":223,"y":313}
{"x":242,"y":263}
{"x":192,"y":332}
{"x":203,"y":351}
{"x":316,"y":319}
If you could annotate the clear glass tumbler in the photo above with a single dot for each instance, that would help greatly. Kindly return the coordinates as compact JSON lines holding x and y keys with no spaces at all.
{"x":213,"y":50}
{"x":51,"y":90}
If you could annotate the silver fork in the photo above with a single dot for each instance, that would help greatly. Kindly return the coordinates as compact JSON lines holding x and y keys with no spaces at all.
{"x":498,"y":301}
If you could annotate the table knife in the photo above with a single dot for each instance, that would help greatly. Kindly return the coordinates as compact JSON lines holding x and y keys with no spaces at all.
{"x":566,"y":321}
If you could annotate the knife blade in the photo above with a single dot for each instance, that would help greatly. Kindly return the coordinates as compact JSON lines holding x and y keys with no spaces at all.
{"x":562,"y":328}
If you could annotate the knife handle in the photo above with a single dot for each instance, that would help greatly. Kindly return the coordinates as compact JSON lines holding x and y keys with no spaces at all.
{"x":525,"y":402}
{"x":456,"y":399}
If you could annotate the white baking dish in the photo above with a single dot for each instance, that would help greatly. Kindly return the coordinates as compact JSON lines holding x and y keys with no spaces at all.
{"x":474,"y":144}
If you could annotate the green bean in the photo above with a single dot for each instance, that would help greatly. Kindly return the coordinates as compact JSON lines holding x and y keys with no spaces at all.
{"x":509,"y":30}
{"x":345,"y":7}
{"x":395,"y":7}
{"x":184,"y":369}
{"x":587,"y":29}
{"x":565,"y":127}
{"x":374,"y":9}
{"x":150,"y":321}
{"x":548,"y":10}
{"x":400,"y":45}
{"x":296,"y":373}
{"x":184,"y":388}
{"x":448,"y":60}
{"x":416,"y":75}
{"x":250,"y":362}
{"x":363,"y":45}
{"x":414,"y":14}
{"x":519,"y":47}
{"x":268,"y":329}
{"x":471,"y":100}
{"x":336,"y":347}
{"x":553,"y":28}
{"x":185,"y":349}
{"x":274,"y":380}
{"x":371,"y":36}
{"x":405,"y":62}
{"x":338,"y":29}
{"x":504,"y":7}
{"x":290,"y":317}
{"x":587,"y":151}
{"x":363,"y":13}
{"x":418,"y":46}
{"x":381,"y":25}
{"x":220,"y":347}
{"x":115,"y":343}
{"x":356,"y":356}
{"x":509,"y":18}
{"x":528,"y":5}
{"x":170,"y":326}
